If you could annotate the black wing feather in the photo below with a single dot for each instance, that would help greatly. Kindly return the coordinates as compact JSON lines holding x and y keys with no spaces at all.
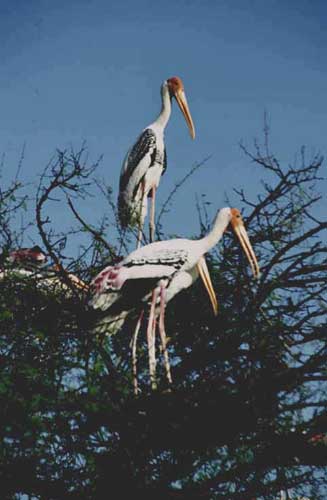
{"x":175,"y":258}
{"x":164,"y":162}
{"x":146,"y":143}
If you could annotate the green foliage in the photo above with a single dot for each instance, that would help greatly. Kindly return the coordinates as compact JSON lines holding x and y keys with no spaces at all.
{"x":249,"y":389}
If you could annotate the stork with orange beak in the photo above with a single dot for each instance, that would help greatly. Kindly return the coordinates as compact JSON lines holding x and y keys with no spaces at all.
{"x":146,"y":161}
{"x":167,"y":267}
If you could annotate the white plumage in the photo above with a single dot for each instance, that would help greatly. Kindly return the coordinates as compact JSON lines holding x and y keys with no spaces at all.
{"x":164,"y":268}
{"x":146,"y":161}
{"x":168,"y":259}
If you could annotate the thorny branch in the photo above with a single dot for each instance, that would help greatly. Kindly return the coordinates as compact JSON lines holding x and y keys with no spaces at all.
{"x":178,"y":185}
{"x":249,"y":395}
{"x":66,"y":172}
{"x":97,"y":235}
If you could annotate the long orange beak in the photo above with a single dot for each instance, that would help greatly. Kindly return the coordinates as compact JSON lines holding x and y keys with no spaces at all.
{"x":182,"y":103}
{"x":240,"y":231}
{"x":77,"y":282}
{"x":204,"y":273}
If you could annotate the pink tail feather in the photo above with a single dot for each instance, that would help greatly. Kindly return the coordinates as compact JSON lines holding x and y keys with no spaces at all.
{"x":109,"y":279}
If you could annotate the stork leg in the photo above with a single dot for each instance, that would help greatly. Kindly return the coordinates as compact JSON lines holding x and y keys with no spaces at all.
{"x":143,"y":209}
{"x":162,"y":331}
{"x":151,"y":339}
{"x":139,"y":235}
{"x":152,"y":221}
{"x":134,"y":352}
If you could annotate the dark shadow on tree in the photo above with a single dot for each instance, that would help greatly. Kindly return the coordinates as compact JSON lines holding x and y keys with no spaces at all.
{"x":247,"y":413}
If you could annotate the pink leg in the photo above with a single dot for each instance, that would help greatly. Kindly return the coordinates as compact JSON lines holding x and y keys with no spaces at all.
{"x":139,"y":236}
{"x":162,"y":331}
{"x":152,"y":223}
{"x":141,"y":219}
{"x":154,"y":327}
{"x":134,"y":352}
{"x":151,"y":340}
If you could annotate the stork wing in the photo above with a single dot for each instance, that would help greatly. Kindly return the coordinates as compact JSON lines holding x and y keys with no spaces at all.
{"x":138,"y":160}
{"x":164,"y":162}
{"x":135,"y":276}
{"x":159,"y":257}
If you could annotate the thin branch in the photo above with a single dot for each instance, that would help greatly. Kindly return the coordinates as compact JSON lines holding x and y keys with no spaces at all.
{"x":96,"y":234}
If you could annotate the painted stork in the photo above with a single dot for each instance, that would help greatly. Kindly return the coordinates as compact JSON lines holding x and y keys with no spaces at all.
{"x":29,"y":262}
{"x":24,"y":261}
{"x":167,"y":267}
{"x":146,"y":161}
{"x":25,"y":256}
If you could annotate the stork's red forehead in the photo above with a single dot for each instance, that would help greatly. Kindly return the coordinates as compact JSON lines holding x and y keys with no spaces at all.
{"x":235,"y":212}
{"x":176,"y":82}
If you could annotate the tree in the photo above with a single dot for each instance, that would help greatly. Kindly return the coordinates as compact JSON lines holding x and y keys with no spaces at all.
{"x":247,"y":413}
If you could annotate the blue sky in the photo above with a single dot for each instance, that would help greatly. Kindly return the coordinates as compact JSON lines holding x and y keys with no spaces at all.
{"x":92,"y":70}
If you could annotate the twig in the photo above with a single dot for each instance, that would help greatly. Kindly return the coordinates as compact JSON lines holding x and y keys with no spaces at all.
{"x":177,"y":186}
{"x":95,"y":233}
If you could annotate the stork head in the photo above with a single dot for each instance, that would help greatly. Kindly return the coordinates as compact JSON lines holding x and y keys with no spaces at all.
{"x":176,"y":90}
{"x":238,"y":227}
{"x":231,"y":217}
{"x":226,"y":217}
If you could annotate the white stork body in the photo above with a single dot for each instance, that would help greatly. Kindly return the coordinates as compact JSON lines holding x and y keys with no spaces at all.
{"x":179,"y":260}
{"x":168,"y":267}
{"x":158,"y":260}
{"x":133,"y":197}
{"x":146,"y":162}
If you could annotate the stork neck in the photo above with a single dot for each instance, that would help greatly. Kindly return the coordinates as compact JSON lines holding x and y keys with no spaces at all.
{"x":216,"y":233}
{"x":165,"y":112}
